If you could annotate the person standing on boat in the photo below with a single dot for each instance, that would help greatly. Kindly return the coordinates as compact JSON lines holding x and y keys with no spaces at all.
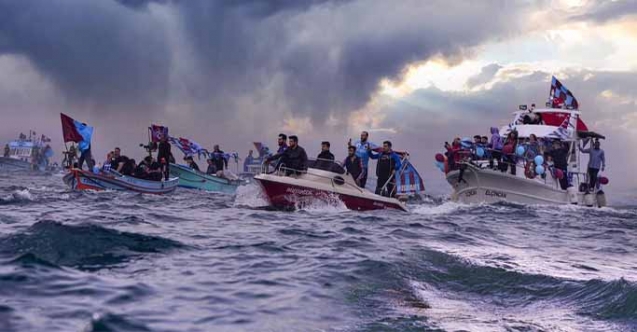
{"x":362,"y":146}
{"x":281,"y":142}
{"x":7,"y":150}
{"x":559,"y":156}
{"x":282,"y":146}
{"x":85,"y":155}
{"x":325,"y":158}
{"x":219,"y":157}
{"x":388,"y":163}
{"x":248,"y":161}
{"x":508,"y":153}
{"x":596,"y":161}
{"x":164,"y":156}
{"x":354,"y":165}
{"x":294,"y":158}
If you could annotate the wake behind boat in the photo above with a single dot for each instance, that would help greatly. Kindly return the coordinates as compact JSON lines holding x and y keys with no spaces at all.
{"x":323,"y":181}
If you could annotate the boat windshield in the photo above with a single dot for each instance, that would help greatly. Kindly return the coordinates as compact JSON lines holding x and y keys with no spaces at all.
{"x":326,"y":165}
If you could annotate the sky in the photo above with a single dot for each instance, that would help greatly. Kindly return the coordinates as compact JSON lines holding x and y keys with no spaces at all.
{"x":232,"y":72}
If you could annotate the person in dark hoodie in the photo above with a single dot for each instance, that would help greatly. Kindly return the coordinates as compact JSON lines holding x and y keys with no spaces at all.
{"x":325,"y":159}
{"x":164,"y":156}
{"x":353,"y":164}
{"x":294,"y":158}
{"x":220,"y":160}
{"x":387,"y":165}
{"x":559,"y":156}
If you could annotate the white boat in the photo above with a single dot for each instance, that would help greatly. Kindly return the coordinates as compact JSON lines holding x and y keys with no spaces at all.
{"x":26,"y":154}
{"x":483,"y":184}
{"x":323,"y":181}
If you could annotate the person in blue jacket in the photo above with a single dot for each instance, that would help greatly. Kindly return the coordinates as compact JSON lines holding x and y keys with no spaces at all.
{"x":386,"y":167}
{"x":362,"y":146}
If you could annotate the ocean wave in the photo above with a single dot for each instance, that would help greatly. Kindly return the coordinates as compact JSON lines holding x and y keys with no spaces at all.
{"x":17,"y":196}
{"x":110,"y":322}
{"x":86,"y":246}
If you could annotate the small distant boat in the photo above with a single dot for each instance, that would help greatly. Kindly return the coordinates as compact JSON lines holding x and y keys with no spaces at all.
{"x":189,"y":178}
{"x":84,"y":180}
{"x":321,"y":183}
{"x":27,"y":154}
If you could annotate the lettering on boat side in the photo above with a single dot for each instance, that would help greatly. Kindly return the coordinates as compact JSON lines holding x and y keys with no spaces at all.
{"x":298,"y":191}
{"x":495,"y":193}
{"x":470,"y":193}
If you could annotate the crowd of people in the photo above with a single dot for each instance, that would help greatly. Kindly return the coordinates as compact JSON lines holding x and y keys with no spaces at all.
{"x":508,"y":153}
{"x":294,"y":160}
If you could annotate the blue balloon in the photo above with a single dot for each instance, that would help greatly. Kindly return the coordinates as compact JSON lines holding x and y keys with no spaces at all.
{"x":539,"y":160}
{"x":480,"y":152}
{"x":539,"y":169}
{"x":520,"y":151}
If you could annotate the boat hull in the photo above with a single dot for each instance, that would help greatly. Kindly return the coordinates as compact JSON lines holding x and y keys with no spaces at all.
{"x":11,"y":164}
{"x":189,"y":178}
{"x":491,"y":186}
{"x":84,"y":180}
{"x":283,"y":193}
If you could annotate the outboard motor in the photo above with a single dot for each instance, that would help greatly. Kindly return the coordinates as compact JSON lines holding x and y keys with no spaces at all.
{"x":572,"y":195}
{"x":601,"y":199}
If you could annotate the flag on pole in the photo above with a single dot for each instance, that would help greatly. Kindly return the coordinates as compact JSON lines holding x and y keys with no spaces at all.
{"x":157,"y":132}
{"x":75,"y":131}
{"x":188,"y":147}
{"x":408,"y":181}
{"x":560,"y":96}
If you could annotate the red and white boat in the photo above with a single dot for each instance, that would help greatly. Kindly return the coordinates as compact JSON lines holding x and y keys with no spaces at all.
{"x":324,"y":181}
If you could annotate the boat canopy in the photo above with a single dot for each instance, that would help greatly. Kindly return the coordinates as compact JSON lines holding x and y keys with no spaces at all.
{"x":553,"y":116}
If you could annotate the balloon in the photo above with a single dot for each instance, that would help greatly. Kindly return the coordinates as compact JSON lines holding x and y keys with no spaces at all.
{"x":539,"y":169}
{"x":603,"y":180}
{"x":440,"y":157}
{"x":520,"y":151}
{"x":507,"y":149}
{"x":558,"y":173}
{"x":480,"y":152}
{"x":539,"y":160}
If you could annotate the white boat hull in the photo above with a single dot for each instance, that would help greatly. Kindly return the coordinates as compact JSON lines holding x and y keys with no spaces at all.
{"x":483,"y":185}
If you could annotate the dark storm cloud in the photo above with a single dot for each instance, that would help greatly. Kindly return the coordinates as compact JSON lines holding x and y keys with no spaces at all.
{"x":604,"y":11}
{"x":318,"y":57}
{"x":95,"y":51}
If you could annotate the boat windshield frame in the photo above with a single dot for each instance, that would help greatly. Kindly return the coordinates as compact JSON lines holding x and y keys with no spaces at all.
{"x":326,"y":165}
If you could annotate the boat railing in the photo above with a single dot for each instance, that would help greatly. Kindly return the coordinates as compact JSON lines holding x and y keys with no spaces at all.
{"x":336,"y":180}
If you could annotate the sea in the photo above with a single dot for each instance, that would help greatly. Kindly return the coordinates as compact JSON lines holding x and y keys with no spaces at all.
{"x":196,"y":261}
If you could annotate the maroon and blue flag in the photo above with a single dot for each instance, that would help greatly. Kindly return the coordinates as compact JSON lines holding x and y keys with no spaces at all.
{"x":157,"y":132}
{"x":560,"y":96}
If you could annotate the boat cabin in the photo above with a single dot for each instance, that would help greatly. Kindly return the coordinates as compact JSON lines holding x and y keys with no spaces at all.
{"x":21,"y":150}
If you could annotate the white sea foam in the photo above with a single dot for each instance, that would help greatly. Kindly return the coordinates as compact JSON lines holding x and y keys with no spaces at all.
{"x":250,"y":195}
